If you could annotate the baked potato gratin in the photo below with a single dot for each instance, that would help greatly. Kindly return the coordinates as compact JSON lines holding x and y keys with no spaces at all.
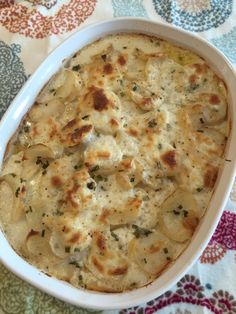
{"x":114,"y":165}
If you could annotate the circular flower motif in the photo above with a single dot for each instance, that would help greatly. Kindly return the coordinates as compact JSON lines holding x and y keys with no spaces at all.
{"x":189,"y":285}
{"x":213,"y":253}
{"x":194,"y":15}
{"x":12,"y":74}
{"x":29,"y":21}
{"x":225,"y":302}
{"x":225,"y":233}
{"x":193,"y":6}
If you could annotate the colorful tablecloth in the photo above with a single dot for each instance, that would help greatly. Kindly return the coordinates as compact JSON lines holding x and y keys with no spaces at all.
{"x":29,"y":30}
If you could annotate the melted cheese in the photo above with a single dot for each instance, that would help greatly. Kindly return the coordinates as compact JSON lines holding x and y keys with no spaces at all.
{"x":115,"y":164}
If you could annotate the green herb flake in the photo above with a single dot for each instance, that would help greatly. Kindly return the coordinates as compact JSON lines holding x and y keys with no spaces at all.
{"x":43,"y":233}
{"x":91,"y":185}
{"x":176,"y":212}
{"x":152,"y":123}
{"x":165,"y":250}
{"x":17,"y":192}
{"x":26,"y":129}
{"x":140,"y":232}
{"x":199,"y":189}
{"x":58,"y":213}
{"x":29,"y":210}
{"x":67,"y":249}
{"x":85,"y":117}
{"x":104,"y":57}
{"x":115,"y":236}
{"x":135,"y":87}
{"x":185,"y":213}
{"x":95,"y":168}
{"x":76,"y":67}
{"x":78,"y":167}
{"x":75,"y":263}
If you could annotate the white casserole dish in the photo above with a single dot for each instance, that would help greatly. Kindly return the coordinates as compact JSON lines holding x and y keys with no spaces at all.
{"x":24,"y":101}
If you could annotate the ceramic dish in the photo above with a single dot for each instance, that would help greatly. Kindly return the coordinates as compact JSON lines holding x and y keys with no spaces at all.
{"x":24,"y":101}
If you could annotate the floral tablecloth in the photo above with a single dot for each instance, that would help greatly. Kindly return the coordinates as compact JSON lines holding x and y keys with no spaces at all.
{"x":29,"y":30}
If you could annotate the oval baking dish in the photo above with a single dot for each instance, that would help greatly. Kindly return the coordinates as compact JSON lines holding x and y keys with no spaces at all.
{"x":25,"y":100}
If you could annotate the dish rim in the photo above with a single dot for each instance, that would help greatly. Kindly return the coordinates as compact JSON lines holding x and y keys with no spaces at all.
{"x":22,"y":103}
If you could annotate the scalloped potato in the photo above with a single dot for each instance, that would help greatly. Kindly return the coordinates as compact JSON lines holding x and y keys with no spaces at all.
{"x":113,"y":167}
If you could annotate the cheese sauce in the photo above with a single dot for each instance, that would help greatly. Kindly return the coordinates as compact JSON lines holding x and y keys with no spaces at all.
{"x":114,"y":165}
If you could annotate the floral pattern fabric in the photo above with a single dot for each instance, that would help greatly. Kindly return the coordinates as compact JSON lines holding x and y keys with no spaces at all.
{"x":38,"y":26}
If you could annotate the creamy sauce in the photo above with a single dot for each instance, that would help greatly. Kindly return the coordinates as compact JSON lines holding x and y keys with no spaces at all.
{"x":114,"y":165}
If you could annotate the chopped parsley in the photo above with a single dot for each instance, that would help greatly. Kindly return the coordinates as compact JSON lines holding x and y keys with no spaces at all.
{"x":165,"y":250}
{"x":91,"y":185}
{"x":76,"y":67}
{"x":17,"y":192}
{"x":26,"y":129}
{"x":85,"y":117}
{"x":152,"y":123}
{"x":58,"y":213}
{"x":75,"y":263}
{"x":132,"y":179}
{"x":95,"y":168}
{"x":104,"y":57}
{"x":115,"y":236}
{"x":140,"y":232}
{"x":135,"y":87}
{"x":67,"y":249}
{"x":29,"y":210}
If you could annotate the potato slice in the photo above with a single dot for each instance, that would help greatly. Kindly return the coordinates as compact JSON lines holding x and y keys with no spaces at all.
{"x":212,"y":142}
{"x":207,"y":109}
{"x":105,"y":260}
{"x":53,"y":108}
{"x":38,"y":150}
{"x":64,"y":84}
{"x":178,"y":217}
{"x":154,"y":252}
{"x":57,"y":245}
{"x":123,"y":214}
{"x":37,"y":243}
{"x":18,"y":193}
{"x":6,"y":201}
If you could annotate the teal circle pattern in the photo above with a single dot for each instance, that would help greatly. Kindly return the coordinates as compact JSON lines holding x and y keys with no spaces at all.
{"x":227,"y":44}
{"x":128,"y":8}
{"x":204,"y":20}
{"x":12,"y":74}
